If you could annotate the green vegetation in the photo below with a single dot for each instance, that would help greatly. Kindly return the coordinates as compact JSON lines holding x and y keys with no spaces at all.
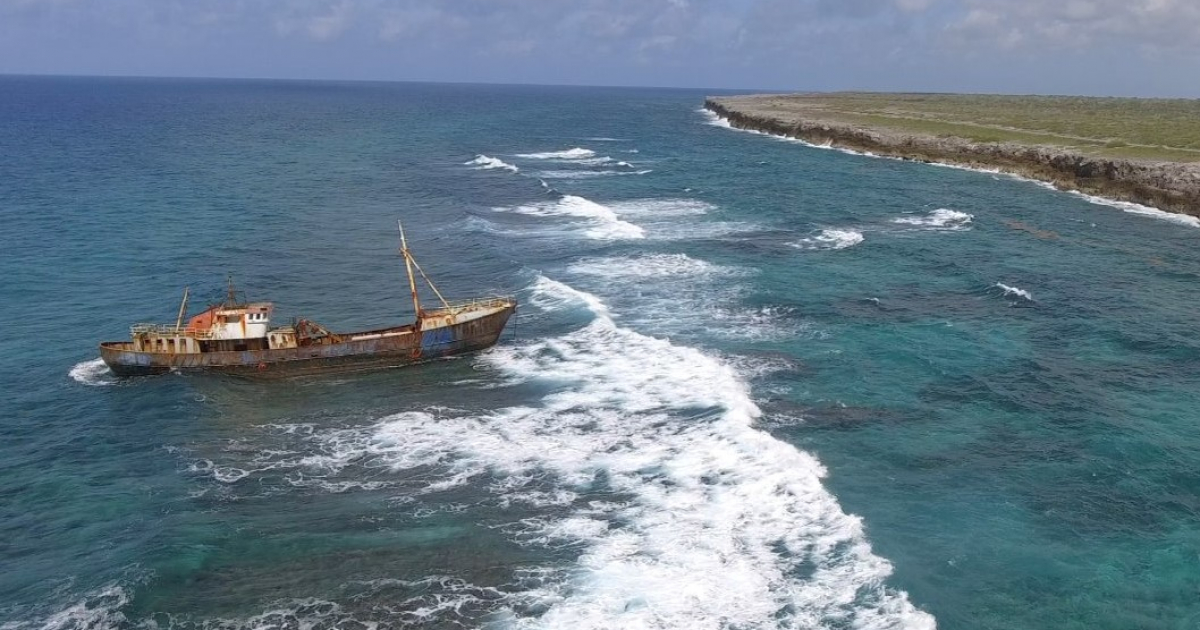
{"x":1154,"y":129}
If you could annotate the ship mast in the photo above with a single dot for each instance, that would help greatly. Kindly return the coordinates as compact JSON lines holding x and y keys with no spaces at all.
{"x":412,"y":282}
{"x":409,"y":263}
{"x":182,"y":310}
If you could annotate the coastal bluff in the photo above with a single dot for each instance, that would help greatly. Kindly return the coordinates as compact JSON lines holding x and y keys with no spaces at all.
{"x":1075,"y":143}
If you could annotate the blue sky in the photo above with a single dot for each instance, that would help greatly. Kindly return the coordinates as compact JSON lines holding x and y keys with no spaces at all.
{"x":1105,"y":47}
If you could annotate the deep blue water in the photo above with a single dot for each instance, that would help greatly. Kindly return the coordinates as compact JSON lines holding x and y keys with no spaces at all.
{"x":752,"y":383}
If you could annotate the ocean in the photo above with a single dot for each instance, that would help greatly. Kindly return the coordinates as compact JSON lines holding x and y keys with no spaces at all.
{"x":751,"y":384}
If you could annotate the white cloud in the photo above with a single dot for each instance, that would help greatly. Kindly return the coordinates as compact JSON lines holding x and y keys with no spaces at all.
{"x":1080,"y":24}
{"x":784,"y":41}
{"x":331,"y":24}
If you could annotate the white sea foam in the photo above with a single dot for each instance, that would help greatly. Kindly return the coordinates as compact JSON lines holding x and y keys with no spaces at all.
{"x":577,"y":153}
{"x":590,"y":174}
{"x":716,"y":120}
{"x":718,"y":520}
{"x":1014,"y":291}
{"x":484,"y":162}
{"x":597,"y":161}
{"x":552,"y":295}
{"x":686,"y":296}
{"x":602,"y":222}
{"x":576,"y":174}
{"x":940,"y":219}
{"x":99,"y":610}
{"x":722,"y":122}
{"x":635,"y":268}
{"x":714,"y":523}
{"x":94,"y":373}
{"x":1147,"y":211}
{"x":652,"y":208}
{"x":830,"y":239}
{"x":698,"y":230}
{"x":1133,"y":208}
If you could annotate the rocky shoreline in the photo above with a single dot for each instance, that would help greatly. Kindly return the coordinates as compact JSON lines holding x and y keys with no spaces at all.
{"x":1169,"y":186}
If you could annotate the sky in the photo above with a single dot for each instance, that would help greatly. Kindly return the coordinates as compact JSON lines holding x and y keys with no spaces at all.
{"x":1095,"y":47}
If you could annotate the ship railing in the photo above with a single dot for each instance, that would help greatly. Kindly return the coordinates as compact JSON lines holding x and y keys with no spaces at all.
{"x":465,"y":305}
{"x":168,"y":330}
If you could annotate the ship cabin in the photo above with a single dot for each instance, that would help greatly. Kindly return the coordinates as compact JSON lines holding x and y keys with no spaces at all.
{"x":227,"y":327}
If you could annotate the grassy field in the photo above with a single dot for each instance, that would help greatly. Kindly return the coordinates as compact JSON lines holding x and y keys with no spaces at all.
{"x":1147,"y":129}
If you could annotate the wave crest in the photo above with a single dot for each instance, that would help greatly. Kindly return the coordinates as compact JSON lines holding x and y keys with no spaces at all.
{"x":486,"y":162}
{"x":603,"y":223}
{"x":577,"y":153}
{"x":830,"y":239}
{"x":93,"y":373}
{"x":940,"y":219}
{"x":1019,"y":292}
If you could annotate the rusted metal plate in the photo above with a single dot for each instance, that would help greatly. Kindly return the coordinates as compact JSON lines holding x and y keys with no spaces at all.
{"x":377,"y":349}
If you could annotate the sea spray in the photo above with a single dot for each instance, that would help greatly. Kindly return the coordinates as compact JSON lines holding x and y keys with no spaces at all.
{"x":577,"y":153}
{"x":830,"y":239}
{"x":600,"y":222}
{"x":484,"y":162}
{"x":941,"y":219}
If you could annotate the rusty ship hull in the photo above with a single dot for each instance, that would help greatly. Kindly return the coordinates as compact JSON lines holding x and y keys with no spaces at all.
{"x":347,"y":352}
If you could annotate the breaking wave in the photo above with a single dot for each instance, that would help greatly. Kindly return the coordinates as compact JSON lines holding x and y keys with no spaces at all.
{"x":705,"y":522}
{"x":712,"y":522}
{"x":99,"y":610}
{"x":830,"y":239}
{"x":1008,"y":291}
{"x":601,"y":222}
{"x":650,"y":266}
{"x":589,"y":174}
{"x":940,"y":219}
{"x":679,"y":296}
{"x":94,"y":373}
{"x":577,"y":153}
{"x":652,"y":208}
{"x":484,"y":162}
{"x":1133,"y":208}
{"x":1146,"y":211}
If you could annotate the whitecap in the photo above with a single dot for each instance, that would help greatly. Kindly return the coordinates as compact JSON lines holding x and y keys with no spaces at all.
{"x":596,"y":161}
{"x":1014,"y":291}
{"x":1127,"y":206}
{"x":577,"y":153}
{"x":97,"y":610}
{"x":551,"y":295}
{"x":830,"y":239}
{"x":484,"y":162}
{"x":94,"y":373}
{"x":1139,"y":209}
{"x":700,"y":230}
{"x":719,"y":518}
{"x":940,"y":219}
{"x":635,"y":268}
{"x":601,"y":222}
{"x":578,"y":174}
{"x":651,"y":208}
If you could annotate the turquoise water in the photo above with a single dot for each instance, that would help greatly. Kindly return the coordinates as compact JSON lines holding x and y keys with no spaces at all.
{"x":752,"y":383}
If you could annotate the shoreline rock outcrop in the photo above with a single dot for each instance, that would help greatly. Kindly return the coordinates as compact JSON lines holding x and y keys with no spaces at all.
{"x":1169,"y":186}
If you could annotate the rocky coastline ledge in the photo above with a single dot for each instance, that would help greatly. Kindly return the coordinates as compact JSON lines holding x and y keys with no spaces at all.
{"x":1173,"y":186}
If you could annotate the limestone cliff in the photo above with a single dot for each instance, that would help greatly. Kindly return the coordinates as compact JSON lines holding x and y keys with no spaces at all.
{"x":1170,"y":186}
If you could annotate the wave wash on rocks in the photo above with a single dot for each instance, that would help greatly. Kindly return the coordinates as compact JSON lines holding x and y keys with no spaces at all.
{"x":1170,"y":186}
